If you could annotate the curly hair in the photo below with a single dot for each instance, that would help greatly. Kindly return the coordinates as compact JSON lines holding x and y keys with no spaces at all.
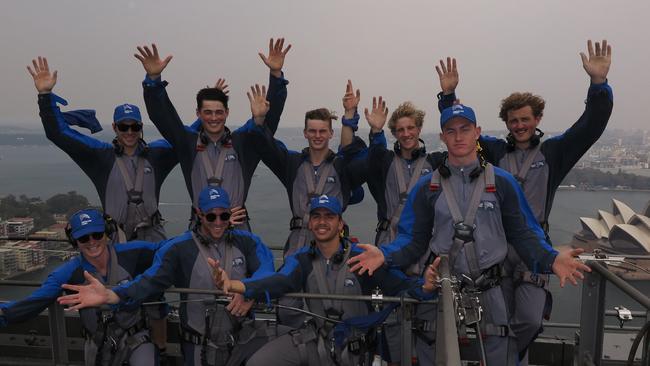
{"x":520,"y":100}
{"x":406,"y":109}
{"x":322,"y":114}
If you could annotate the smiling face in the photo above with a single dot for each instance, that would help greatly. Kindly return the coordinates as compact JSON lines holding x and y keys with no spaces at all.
{"x":213,"y":115}
{"x":128,"y":138}
{"x":407,"y":133}
{"x":318,"y":134}
{"x":522,"y":123}
{"x":94,"y":249}
{"x":325,"y":224}
{"x":214,"y":229}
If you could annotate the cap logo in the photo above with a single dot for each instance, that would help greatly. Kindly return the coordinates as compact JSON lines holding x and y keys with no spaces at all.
{"x":214,"y":194}
{"x":456,"y":109}
{"x":323,"y":199}
{"x":127,"y":108}
{"x":85,"y":219}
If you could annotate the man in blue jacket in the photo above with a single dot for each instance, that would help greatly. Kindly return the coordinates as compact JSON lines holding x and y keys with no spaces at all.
{"x":469,"y":210}
{"x":111,"y":337}
{"x":213,"y":155}
{"x":539,"y":167}
{"x":210,"y":331}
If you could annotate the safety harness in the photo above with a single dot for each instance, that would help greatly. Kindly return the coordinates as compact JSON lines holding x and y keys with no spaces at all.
{"x":137,"y":216}
{"x":403,"y":188}
{"x":113,"y":345}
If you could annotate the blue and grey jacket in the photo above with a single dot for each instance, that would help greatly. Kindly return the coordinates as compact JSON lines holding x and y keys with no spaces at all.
{"x":503,"y":216}
{"x":556,"y":155}
{"x":98,"y":160}
{"x":240,"y":158}
{"x":133,"y":258}
{"x":298,"y":275}
{"x":289,"y":166}
{"x":179,"y":262}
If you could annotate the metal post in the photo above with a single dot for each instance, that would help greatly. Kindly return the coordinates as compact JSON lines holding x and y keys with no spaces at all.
{"x":58,"y":334}
{"x":407,"y":345}
{"x":447,"y":350}
{"x":592,"y":317}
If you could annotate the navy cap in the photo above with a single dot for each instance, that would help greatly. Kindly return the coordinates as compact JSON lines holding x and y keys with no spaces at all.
{"x":330,"y":203}
{"x":86,"y":222}
{"x":213,"y":197}
{"x":457,"y":110}
{"x":124,"y":112}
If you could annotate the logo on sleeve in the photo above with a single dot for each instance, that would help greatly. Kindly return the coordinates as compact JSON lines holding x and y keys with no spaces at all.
{"x":349,"y":282}
{"x":239,"y":261}
{"x":331,"y":179}
{"x":231,"y":157}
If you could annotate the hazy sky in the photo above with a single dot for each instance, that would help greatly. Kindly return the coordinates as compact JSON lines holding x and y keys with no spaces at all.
{"x":387,"y":48}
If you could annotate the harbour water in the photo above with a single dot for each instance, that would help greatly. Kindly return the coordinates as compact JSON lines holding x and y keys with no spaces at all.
{"x":43,"y":171}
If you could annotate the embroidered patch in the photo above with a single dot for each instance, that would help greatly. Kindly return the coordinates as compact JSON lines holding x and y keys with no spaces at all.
{"x":537,"y":164}
{"x":231,"y":157}
{"x":487,"y":205}
{"x":239,"y":261}
{"x":425,"y":171}
{"x":348,"y":282}
{"x":123,"y":282}
{"x":147,"y":170}
{"x":331,"y":179}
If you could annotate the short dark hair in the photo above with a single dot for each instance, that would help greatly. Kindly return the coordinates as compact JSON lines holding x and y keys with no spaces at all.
{"x":211,"y":94}
{"x":520,"y":100}
{"x":322,"y":114}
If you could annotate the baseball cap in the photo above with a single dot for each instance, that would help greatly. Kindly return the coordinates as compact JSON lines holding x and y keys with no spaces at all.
{"x":330,"y":203}
{"x":213,"y":197}
{"x":124,"y":112}
{"x":457,"y":110}
{"x":86,"y":222}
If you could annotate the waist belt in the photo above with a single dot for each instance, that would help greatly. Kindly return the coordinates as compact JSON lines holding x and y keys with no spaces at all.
{"x":382,"y":225}
{"x":191,"y":337}
{"x":140,"y":325}
{"x":296,"y":223}
{"x":539,"y":280}
{"x":489,"y":278}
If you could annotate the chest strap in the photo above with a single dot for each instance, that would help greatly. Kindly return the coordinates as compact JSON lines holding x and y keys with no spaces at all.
{"x":323,"y":286}
{"x":313,"y":190}
{"x":226,"y":260}
{"x":511,"y":160}
{"x":403,"y":188}
{"x":214,"y":173}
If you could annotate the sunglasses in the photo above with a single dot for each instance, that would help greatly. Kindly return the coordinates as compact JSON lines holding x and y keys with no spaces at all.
{"x":86,"y":238}
{"x":135,"y":127}
{"x":211,"y":217}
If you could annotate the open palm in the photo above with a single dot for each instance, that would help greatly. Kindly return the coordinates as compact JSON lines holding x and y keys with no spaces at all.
{"x":598,"y":60}
{"x":44,"y":81}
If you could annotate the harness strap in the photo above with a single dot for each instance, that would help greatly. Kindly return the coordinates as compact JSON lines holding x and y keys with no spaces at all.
{"x":520,"y":175}
{"x":137,"y":214}
{"x":404,"y":189}
{"x":300,"y":340}
{"x":215,"y":174}
{"x":323,"y":286}
{"x":313,"y":190}
{"x":226,"y":258}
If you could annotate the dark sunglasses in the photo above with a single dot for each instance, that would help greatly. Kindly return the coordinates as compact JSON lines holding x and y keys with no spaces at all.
{"x":135,"y":127}
{"x":224,"y":216}
{"x":86,"y":238}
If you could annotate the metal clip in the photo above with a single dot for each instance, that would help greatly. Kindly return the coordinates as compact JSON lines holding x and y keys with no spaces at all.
{"x":624,"y":314}
{"x":376,"y":298}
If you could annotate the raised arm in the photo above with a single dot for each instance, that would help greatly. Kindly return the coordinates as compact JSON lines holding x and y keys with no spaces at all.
{"x":350,"y":118}
{"x":277,"y":94}
{"x":79,"y":147}
{"x":449,"y":78}
{"x":566,"y":149}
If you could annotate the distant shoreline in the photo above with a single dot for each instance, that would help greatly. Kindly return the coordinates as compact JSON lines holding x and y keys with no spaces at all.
{"x":604,"y":189}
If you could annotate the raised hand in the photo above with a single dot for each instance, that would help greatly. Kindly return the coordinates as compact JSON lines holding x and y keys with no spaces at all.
{"x":448,"y":75}
{"x":221,"y":85}
{"x":371,"y":259}
{"x":237,"y":215}
{"x":597,"y":63}
{"x":275,"y":59}
{"x":431,"y":276}
{"x":377,"y":117}
{"x":219,"y":276}
{"x":351,"y":100}
{"x":566,"y":267}
{"x":239,"y":306}
{"x":259,"y":105}
{"x":151,"y":61}
{"x":91,"y":295}
{"x":44,"y":81}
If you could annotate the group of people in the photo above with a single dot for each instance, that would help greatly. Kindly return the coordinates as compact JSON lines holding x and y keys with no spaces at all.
{"x":484,"y":203}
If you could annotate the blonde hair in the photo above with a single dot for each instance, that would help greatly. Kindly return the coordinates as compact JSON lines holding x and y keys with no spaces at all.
{"x":406,"y":109}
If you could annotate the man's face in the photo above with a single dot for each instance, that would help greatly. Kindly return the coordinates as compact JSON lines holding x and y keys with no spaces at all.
{"x":325,"y":224}
{"x":318,"y":134}
{"x":213,"y":116}
{"x":213,"y":223}
{"x":460,"y":136}
{"x":128,"y":138}
{"x":93,"y":246}
{"x":407,"y":133}
{"x":522,"y":123}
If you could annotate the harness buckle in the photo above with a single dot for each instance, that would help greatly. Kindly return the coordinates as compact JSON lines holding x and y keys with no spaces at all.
{"x":382,"y":225}
{"x":295,"y":223}
{"x":464,"y":232}
{"x":215,"y":182}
